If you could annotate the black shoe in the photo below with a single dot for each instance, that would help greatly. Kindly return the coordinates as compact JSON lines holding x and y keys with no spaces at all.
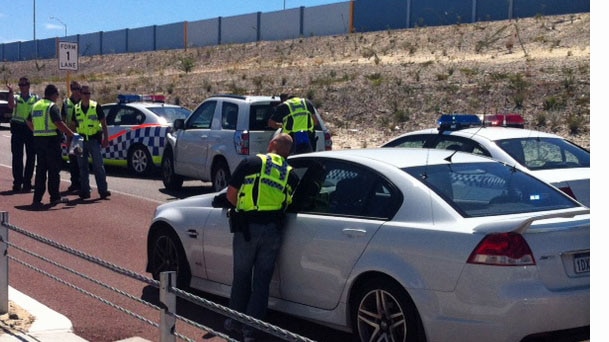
{"x":84,"y":195}
{"x":26,"y":188}
{"x":74,"y":188}
{"x":36,"y":204}
{"x":59,"y":200}
{"x":105,"y":194}
{"x":16,"y":188}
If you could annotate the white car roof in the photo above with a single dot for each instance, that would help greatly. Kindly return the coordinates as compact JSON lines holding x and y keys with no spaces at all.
{"x":490,"y":133}
{"x":398,"y":157}
{"x":247,"y":98}
{"x":144,"y":104}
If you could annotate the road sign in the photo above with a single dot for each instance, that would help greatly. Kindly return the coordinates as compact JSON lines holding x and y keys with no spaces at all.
{"x":68,"y":56}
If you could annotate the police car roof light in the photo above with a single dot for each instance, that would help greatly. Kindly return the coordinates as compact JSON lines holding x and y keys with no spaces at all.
{"x":127,"y":98}
{"x":153,"y":98}
{"x":504,"y":120}
{"x":452,"y":122}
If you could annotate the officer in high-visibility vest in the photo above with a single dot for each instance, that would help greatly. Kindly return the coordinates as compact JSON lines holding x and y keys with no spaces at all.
{"x":260,"y":188}
{"x":46,"y":123}
{"x":21,"y":135}
{"x":67,"y":112}
{"x":91,"y":125}
{"x":296,"y":117}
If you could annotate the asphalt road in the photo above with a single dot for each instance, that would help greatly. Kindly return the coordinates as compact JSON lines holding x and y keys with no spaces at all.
{"x":113,"y":230}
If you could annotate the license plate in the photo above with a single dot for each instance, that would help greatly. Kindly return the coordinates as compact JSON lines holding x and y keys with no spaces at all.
{"x":581,"y":262}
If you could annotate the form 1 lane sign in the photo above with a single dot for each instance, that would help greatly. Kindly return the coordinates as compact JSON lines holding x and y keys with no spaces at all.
{"x":68,"y":56}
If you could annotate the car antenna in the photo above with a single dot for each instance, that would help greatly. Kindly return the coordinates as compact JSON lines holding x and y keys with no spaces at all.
{"x":450,"y":158}
{"x":424,"y":174}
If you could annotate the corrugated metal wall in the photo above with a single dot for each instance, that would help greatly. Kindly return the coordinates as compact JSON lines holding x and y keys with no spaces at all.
{"x":338,"y":18}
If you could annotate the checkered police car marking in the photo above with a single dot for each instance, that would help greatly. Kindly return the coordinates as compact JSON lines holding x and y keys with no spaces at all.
{"x":150,"y":135}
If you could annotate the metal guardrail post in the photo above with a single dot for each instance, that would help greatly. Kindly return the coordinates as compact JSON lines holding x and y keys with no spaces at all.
{"x":3,"y":263}
{"x":167,"y":298}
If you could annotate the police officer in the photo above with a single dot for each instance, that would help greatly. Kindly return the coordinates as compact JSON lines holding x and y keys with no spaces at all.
{"x":21,"y":135}
{"x":67,"y":112}
{"x":260,"y":189}
{"x":47,"y":126}
{"x":295,"y":116}
{"x":91,"y":125}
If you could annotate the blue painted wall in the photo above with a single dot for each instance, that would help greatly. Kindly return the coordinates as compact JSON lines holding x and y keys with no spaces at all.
{"x":338,"y":18}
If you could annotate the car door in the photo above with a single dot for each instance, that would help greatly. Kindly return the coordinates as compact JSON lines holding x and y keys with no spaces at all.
{"x":192,"y":143}
{"x":329,"y":224}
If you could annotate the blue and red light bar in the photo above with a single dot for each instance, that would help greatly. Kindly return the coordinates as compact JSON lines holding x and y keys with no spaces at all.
{"x":452,"y":122}
{"x":127,"y":98}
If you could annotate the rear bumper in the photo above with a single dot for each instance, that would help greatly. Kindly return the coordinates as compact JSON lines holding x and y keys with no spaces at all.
{"x":503,"y":309}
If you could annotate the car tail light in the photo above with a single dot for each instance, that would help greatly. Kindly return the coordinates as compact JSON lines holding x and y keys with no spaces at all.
{"x":502,"y":249}
{"x":242,"y":142}
{"x":567,"y":190}
{"x":328,"y":139}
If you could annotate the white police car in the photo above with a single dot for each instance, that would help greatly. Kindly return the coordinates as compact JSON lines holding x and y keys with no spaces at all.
{"x":137,"y":127}
{"x":546,"y":156}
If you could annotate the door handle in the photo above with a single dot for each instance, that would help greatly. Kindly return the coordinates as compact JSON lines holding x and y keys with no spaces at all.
{"x":354,"y":232}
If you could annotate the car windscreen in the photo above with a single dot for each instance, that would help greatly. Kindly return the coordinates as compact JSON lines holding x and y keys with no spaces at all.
{"x":489,"y":189}
{"x":170,"y":113}
{"x":545,"y":153}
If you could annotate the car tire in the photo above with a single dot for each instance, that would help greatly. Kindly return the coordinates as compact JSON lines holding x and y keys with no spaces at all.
{"x":220,"y":175}
{"x":139,"y":160}
{"x":170,"y":179}
{"x":167,"y":254}
{"x":383,"y":311}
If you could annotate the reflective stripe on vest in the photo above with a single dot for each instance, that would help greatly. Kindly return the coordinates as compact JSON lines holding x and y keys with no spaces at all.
{"x":267,"y":190}
{"x":41,"y":119}
{"x":88,"y":123}
{"x":301,"y":118}
{"x":23,"y":108}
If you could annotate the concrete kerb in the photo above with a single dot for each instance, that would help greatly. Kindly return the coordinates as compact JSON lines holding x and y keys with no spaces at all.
{"x":48,"y":325}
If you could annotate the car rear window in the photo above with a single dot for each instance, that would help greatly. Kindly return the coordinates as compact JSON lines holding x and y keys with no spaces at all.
{"x":170,"y":113}
{"x":489,"y":189}
{"x":259,"y":116}
{"x":545,"y":153}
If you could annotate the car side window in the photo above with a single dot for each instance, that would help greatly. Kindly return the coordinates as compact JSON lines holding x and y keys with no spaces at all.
{"x":548,"y":153}
{"x":230,"y":113}
{"x":412,"y":141}
{"x":126,"y":116}
{"x":202,"y":117}
{"x":455,"y":143}
{"x":339,"y":188}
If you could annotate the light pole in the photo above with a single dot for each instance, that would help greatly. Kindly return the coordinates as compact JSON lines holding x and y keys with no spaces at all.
{"x":65,"y":27}
{"x":34,"y":20}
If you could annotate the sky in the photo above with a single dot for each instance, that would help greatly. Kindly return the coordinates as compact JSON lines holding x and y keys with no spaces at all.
{"x":20,"y":22}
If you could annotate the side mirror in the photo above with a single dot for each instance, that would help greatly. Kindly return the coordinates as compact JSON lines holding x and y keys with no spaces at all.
{"x":178,"y":124}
